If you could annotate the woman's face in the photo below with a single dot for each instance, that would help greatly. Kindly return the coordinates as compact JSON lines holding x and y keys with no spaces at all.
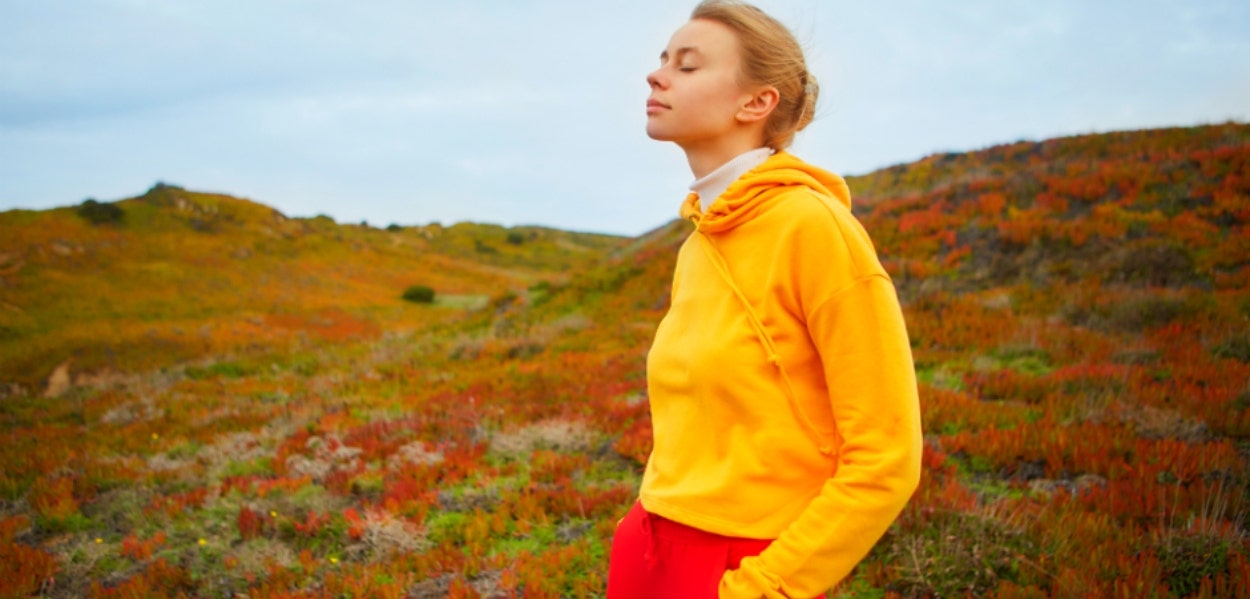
{"x":695,"y":94}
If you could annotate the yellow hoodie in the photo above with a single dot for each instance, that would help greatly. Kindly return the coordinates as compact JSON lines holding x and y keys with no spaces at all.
{"x":783,"y":394}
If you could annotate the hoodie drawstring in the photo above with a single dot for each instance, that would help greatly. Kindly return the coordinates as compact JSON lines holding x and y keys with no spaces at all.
{"x":767,"y":341}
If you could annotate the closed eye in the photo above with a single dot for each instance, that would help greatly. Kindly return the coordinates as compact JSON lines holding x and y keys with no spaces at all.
{"x":679,"y":57}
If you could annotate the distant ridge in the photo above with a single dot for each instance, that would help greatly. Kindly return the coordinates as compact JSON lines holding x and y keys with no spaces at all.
{"x":175,"y":274}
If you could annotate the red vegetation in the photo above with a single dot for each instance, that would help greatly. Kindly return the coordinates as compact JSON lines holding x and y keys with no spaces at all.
{"x":1079,"y":311}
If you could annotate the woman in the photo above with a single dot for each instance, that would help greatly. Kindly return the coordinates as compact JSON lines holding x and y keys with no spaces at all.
{"x":783,"y":395}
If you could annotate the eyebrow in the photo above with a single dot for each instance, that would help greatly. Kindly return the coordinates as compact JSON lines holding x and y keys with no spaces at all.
{"x":680,"y":51}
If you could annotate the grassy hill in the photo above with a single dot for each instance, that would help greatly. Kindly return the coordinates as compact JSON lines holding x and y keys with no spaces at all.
{"x":174,"y":275}
{"x":1078,"y":308}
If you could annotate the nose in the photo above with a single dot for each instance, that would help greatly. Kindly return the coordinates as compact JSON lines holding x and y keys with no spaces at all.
{"x":656,"y":80}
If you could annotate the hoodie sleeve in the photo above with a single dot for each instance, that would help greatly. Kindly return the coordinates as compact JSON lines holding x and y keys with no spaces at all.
{"x":856,"y":324}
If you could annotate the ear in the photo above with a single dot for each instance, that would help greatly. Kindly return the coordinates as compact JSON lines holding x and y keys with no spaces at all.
{"x":759,"y":106}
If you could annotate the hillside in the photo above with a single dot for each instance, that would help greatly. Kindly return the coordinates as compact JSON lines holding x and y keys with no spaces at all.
{"x":1079,"y":315}
{"x":1164,"y":208}
{"x":174,"y":275}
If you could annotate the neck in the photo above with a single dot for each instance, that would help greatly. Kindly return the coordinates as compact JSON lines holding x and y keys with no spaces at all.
{"x":714,"y":185}
{"x":705,"y":158}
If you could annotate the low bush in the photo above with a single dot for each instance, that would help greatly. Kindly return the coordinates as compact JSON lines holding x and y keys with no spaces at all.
{"x":225,"y":370}
{"x":1146,"y":312}
{"x":100,"y":213}
{"x":956,"y":554}
{"x":1235,"y":348}
{"x":1157,"y":265}
{"x":419,"y":294}
{"x":1187,"y":558}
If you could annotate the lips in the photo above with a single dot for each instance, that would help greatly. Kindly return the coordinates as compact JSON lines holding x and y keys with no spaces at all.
{"x":654,"y":106}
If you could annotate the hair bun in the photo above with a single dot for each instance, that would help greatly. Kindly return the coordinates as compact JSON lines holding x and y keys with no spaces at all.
{"x":807,"y":108}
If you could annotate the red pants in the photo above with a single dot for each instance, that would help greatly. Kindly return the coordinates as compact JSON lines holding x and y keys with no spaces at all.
{"x":656,"y":558}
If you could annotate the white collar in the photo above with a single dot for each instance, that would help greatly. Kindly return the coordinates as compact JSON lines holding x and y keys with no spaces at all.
{"x":712,"y":185}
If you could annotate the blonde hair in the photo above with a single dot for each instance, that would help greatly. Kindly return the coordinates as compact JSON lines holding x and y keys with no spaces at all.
{"x":770,"y":56}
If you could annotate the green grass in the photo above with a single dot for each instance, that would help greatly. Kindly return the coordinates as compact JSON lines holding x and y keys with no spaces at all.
{"x":537,"y":540}
{"x":462,"y":301}
{"x":941,"y":376}
{"x":257,"y":467}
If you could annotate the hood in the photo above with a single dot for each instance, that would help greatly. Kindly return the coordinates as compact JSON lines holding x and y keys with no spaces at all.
{"x":759,"y":187}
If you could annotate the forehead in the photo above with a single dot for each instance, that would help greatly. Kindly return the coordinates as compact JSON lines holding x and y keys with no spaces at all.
{"x":710,"y":39}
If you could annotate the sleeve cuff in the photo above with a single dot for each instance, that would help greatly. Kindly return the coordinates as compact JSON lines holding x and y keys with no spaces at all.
{"x":749,"y":581}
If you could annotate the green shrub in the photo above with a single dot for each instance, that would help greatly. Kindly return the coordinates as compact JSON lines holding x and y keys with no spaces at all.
{"x":98,"y":213}
{"x":446,"y":527}
{"x":516,"y":237}
{"x":1027,"y":359}
{"x":1188,"y":558}
{"x":420,"y":294}
{"x":1142,"y":313}
{"x":1157,"y":265}
{"x":1242,"y":402}
{"x":225,"y":370}
{"x":1236,"y":348}
{"x":954,"y":554}
{"x":75,"y":522}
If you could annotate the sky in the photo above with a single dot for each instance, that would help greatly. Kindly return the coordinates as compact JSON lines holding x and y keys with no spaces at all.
{"x":520,"y":112}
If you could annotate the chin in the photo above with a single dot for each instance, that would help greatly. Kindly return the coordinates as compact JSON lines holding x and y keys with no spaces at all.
{"x":658,"y":133}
